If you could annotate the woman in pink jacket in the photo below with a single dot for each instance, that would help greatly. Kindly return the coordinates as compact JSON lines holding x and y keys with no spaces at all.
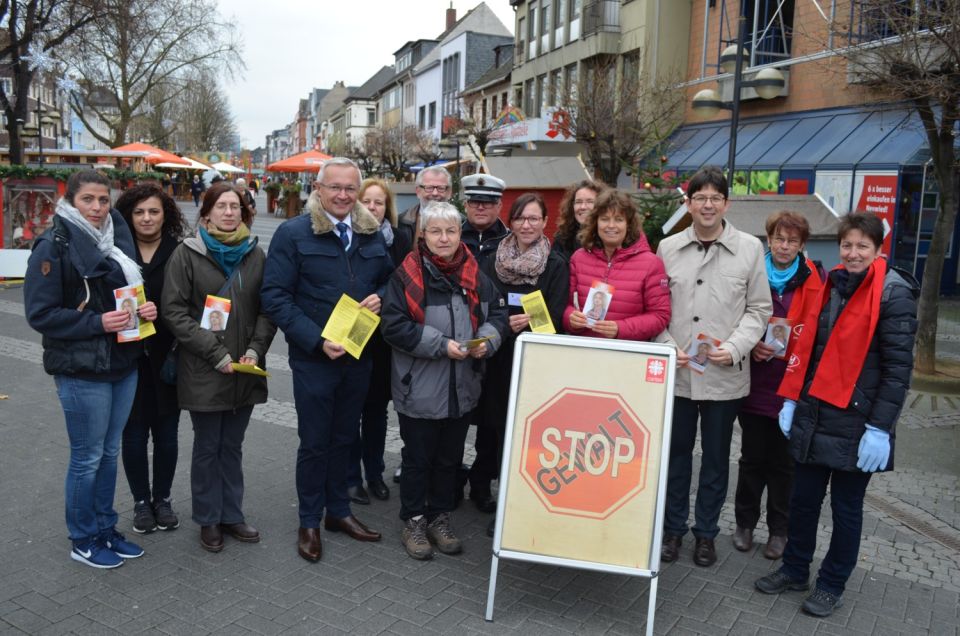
{"x":615,"y":253}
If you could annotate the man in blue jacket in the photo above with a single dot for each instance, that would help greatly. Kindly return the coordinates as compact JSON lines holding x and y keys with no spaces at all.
{"x":334,"y":249}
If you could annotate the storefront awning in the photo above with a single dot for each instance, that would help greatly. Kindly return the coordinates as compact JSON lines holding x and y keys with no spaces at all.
{"x":834,"y":139}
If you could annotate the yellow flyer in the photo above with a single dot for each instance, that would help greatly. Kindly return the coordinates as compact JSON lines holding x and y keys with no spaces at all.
{"x":474,"y":343}
{"x":536,"y":307}
{"x":252,"y":369}
{"x":350,"y":325}
{"x":129,"y":299}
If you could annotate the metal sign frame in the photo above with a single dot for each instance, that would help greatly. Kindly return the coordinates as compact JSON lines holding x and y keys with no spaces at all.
{"x":623,"y":346}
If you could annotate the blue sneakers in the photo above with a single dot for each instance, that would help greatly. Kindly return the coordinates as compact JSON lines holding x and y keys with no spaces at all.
{"x":113,"y":540}
{"x":94,"y":554}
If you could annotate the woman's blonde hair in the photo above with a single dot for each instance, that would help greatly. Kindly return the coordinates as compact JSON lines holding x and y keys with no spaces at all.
{"x":391,"y":212}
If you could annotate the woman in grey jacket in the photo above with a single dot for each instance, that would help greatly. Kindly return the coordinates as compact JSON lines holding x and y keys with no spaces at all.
{"x":436,"y":303}
{"x":222,"y":260}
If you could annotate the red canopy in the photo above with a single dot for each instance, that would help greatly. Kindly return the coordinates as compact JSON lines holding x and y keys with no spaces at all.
{"x":309,"y":161}
{"x":156,"y":155}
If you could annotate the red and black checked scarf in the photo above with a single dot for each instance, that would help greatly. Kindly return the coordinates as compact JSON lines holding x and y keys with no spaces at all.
{"x":461,"y":270}
{"x":846,"y":347}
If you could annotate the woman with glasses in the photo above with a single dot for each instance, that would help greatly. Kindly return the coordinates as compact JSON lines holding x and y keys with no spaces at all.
{"x":615,"y":252}
{"x":436,"y":302}
{"x":575,"y":207}
{"x":524,"y":263}
{"x":222,"y":260}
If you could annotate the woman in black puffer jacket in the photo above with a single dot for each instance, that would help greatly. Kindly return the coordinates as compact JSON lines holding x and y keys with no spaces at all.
{"x":847,"y":381}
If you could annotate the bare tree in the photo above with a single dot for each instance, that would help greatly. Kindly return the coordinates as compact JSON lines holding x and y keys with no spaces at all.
{"x":421,"y":145}
{"x":913,"y":53}
{"x":205,"y":117}
{"x":137,"y":46}
{"x":617,"y":120}
{"x":29,"y":30}
{"x":390,"y":150}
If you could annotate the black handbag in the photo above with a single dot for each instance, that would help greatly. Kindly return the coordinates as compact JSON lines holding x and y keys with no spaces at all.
{"x":168,"y":370}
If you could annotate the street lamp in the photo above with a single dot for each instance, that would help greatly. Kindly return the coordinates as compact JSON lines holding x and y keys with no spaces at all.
{"x":768,"y":83}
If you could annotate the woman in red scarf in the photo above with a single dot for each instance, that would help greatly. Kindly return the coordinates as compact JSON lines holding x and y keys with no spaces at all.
{"x":442,"y":316}
{"x":846,"y":381}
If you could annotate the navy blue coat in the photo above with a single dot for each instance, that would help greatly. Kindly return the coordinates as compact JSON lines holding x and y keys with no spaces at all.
{"x":308,"y":270}
{"x":69,"y":285}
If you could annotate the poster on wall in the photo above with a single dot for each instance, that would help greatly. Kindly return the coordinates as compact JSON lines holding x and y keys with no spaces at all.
{"x":741,"y":183}
{"x":877,"y":192}
{"x":834,"y":187}
{"x":764,"y":181}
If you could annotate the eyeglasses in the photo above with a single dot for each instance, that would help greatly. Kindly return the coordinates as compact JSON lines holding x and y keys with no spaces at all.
{"x":338,"y":189}
{"x":435,"y":189}
{"x":481,"y":205}
{"x":527,"y":220}
{"x":779,"y":240}
{"x":715,"y":199}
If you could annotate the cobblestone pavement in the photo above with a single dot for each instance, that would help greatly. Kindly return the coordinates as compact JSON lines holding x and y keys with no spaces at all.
{"x":907,"y":582}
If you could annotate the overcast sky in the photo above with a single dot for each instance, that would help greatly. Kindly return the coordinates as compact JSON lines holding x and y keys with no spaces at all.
{"x":292,"y":46}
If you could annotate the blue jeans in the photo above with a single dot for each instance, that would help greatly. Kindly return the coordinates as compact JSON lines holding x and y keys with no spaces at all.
{"x":95,"y":413}
{"x":847,"y":489}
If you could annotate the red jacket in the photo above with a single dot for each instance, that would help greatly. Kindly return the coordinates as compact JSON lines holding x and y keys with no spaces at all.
{"x":641,"y":296}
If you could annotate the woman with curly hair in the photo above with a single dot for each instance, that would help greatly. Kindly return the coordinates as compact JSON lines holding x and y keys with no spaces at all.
{"x":615,"y":252}
{"x":157,"y":227}
{"x":575,"y":207}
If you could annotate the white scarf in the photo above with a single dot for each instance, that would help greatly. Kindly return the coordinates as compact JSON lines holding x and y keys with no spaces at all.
{"x":102,"y":238}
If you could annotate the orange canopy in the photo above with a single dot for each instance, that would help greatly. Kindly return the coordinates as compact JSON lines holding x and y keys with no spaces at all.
{"x":156,"y":155}
{"x":309,"y":161}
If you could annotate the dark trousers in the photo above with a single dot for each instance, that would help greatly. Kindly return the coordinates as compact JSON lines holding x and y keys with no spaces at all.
{"x":491,"y":420}
{"x":716,"y":429}
{"x":847,"y":489}
{"x":149,"y":422}
{"x":765,"y":463}
{"x":216,"y":472}
{"x":329,"y":395}
{"x":369,"y":444}
{"x":432,"y":451}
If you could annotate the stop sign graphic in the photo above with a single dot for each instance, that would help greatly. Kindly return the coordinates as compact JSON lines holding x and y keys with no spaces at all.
{"x":585,"y":453}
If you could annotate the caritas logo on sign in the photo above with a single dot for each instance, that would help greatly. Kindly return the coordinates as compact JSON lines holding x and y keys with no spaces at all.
{"x":585,"y":453}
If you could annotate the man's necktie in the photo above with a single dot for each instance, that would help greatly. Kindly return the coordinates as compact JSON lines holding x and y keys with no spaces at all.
{"x":344,"y":237}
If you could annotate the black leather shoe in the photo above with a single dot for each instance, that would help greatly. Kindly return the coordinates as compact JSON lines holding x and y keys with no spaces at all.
{"x":378,"y":489}
{"x":775,"y":547}
{"x":743,"y":539}
{"x":241,"y":532}
{"x":778,"y":582}
{"x":358,"y":495}
{"x":821,"y":603}
{"x":352,"y":527}
{"x":670,"y":549}
{"x":704,"y":552}
{"x":309,"y":546}
{"x":211,"y":539}
{"x":396,"y":475}
{"x":492,"y":528}
{"x":482,"y":498}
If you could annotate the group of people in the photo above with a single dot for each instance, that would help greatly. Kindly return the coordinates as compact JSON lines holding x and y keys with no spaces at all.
{"x":818,"y":409}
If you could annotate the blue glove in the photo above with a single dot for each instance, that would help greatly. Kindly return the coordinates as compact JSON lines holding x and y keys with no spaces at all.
{"x":786,"y":417}
{"x":874,"y":451}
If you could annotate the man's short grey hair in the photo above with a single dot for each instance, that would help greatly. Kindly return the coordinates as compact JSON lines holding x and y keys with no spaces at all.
{"x":339,"y":161}
{"x":437,"y":171}
{"x":439,"y":211}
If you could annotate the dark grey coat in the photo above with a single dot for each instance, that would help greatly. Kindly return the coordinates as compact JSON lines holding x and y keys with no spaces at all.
{"x":825,"y":435}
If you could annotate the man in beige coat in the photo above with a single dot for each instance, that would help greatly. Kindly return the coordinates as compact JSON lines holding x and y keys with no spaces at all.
{"x":718,"y":287}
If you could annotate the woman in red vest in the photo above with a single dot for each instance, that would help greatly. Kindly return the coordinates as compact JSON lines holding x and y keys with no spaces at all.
{"x":846,"y":382}
{"x":765,"y":462}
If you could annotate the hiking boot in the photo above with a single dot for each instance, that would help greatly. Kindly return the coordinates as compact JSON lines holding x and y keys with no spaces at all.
{"x":95,"y":555}
{"x":166,"y":517}
{"x":143,"y":519}
{"x":777,"y":582}
{"x":440,"y":535}
{"x":414,"y":539}
{"x":822,"y":603}
{"x":113,"y":540}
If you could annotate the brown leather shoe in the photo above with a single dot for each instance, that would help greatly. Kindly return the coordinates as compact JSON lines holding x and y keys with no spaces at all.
{"x":241,"y":532}
{"x":211,"y":539}
{"x":704,"y":552}
{"x":352,"y":526}
{"x":308,"y":544}
{"x":670,"y":549}
{"x":775,"y":545}
{"x":743,"y":539}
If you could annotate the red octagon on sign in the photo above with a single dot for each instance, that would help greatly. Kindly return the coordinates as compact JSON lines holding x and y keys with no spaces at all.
{"x":585,"y":453}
